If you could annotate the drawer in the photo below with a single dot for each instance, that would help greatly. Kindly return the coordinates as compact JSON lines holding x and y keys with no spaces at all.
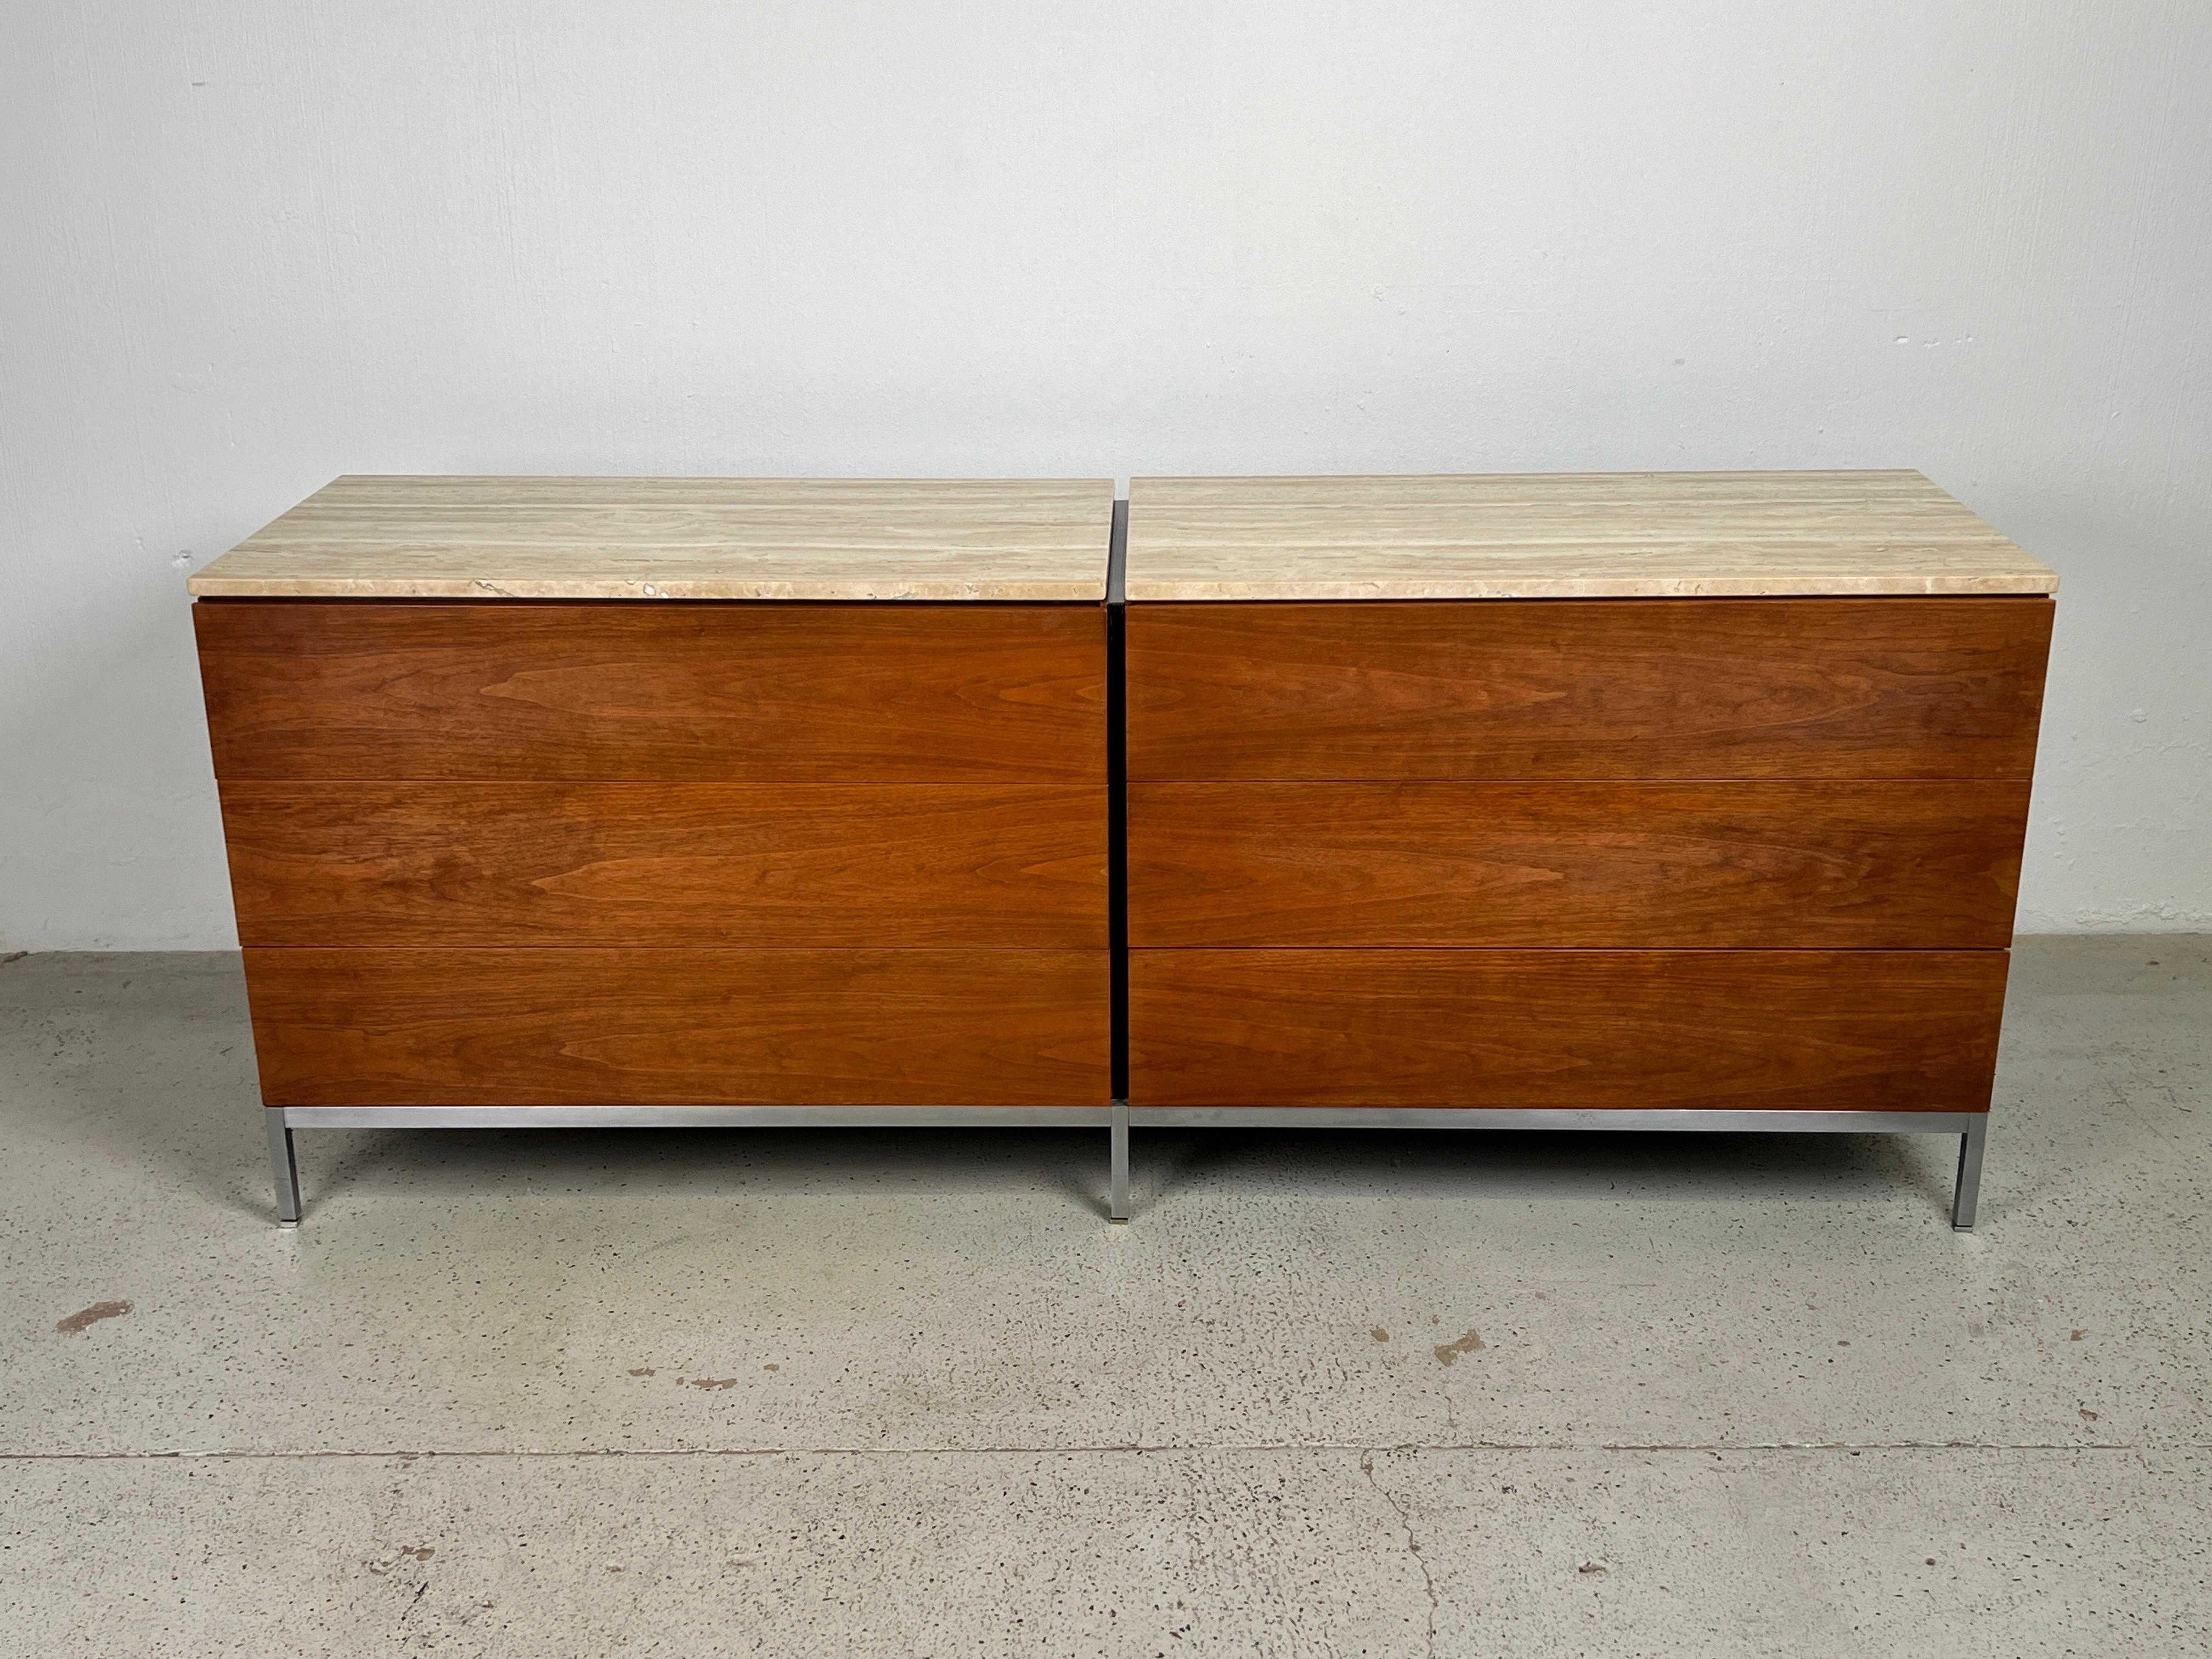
{"x":1730,"y":865}
{"x":1857,"y":1030}
{"x":704,"y":692}
{"x":701,"y":1027}
{"x":438,"y":863}
{"x":1569,"y":688}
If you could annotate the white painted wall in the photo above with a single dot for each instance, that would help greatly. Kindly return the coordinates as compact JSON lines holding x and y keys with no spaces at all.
{"x":247,"y":245}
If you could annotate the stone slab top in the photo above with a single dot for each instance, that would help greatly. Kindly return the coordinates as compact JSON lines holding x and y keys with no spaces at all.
{"x":1646,"y":535}
{"x":421,"y":538}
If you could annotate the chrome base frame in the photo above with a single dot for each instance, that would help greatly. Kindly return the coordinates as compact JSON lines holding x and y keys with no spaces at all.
{"x":283,"y":1120}
{"x":1973,"y":1128}
{"x":1117,"y":1119}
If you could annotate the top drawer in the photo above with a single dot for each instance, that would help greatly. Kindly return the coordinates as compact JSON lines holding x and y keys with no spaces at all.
{"x":620,"y":690}
{"x":1652,"y":688}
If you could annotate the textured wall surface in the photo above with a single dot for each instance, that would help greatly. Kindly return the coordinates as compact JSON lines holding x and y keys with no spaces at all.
{"x":250,"y":244}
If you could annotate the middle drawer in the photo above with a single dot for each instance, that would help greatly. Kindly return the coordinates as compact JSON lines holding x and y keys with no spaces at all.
{"x":428,"y":862}
{"x":1727,"y":864}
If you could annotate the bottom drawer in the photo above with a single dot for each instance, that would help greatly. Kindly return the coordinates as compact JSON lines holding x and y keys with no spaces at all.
{"x":1845,"y":1030}
{"x":558,"y":1027}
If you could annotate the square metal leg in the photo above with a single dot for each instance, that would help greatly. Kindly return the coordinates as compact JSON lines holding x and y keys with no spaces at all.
{"x":285,"y":1167}
{"x":1969,"y":1188}
{"x":1117,"y":1185}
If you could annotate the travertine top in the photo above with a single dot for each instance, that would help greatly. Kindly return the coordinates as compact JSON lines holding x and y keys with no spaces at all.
{"x":680,"y":539}
{"x":1564,"y":536}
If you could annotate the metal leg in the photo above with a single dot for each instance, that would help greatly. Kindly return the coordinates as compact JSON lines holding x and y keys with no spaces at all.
{"x":1117,"y":1195}
{"x":285,"y":1166}
{"x":1970,"y":1174}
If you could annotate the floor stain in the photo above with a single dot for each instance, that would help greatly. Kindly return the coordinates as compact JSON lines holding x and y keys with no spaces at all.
{"x":2088,"y":1416}
{"x":2077,"y":1336}
{"x":1447,"y":1352}
{"x":1379,"y":1334}
{"x":92,"y":1316}
{"x":707,"y":1382}
{"x":407,"y":1552}
{"x":645,"y":1370}
{"x":1591,"y":1566}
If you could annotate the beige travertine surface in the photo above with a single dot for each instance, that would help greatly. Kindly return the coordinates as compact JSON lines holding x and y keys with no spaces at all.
{"x":680,"y":539}
{"x":1565,"y":536}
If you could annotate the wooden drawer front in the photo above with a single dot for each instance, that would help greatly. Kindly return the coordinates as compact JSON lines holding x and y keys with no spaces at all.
{"x":696,"y":692}
{"x":1884,"y":688}
{"x":1860,"y":1030}
{"x":703,"y":1027}
{"x":1906,"y":865}
{"x":431,"y":863}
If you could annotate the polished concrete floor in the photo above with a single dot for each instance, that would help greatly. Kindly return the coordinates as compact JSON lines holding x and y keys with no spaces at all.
{"x":853,"y":1392}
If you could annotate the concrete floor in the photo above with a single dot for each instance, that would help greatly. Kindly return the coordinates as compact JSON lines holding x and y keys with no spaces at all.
{"x":907,"y":1393}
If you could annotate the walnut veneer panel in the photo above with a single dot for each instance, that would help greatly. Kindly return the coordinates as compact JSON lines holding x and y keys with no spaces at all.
{"x":1929,"y":688}
{"x":705,"y":1027}
{"x":680,"y":538}
{"x":1909,"y":865}
{"x":1571,"y":535}
{"x":1855,"y":1030}
{"x":425,"y":863}
{"x":718,"y":693}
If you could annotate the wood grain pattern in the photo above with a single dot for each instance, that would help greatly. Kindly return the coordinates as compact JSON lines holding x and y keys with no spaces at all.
{"x":707,"y":1027}
{"x":427,"y":863}
{"x":1739,"y":865}
{"x":680,"y":538}
{"x":781,"y":693}
{"x":1865,"y":689}
{"x":1854,"y":1030}
{"x":1566,"y":536}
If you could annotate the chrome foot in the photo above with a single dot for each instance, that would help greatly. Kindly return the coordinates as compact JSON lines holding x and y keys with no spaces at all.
{"x":285,"y":1166}
{"x":1970,"y":1174}
{"x":1117,"y":1189}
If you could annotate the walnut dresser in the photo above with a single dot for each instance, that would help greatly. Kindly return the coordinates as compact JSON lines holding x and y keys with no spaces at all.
{"x":669,"y":801}
{"x":1686,"y":801}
